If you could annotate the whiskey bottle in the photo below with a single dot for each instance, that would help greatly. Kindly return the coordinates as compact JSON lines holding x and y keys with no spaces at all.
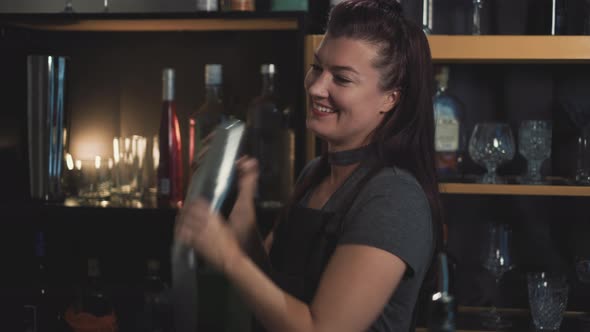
{"x":271,"y":142}
{"x":448,"y":133}
{"x":209,"y":115}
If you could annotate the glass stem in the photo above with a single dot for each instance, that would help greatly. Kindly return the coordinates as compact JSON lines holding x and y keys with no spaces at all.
{"x":477,"y":6}
{"x":534,"y":169}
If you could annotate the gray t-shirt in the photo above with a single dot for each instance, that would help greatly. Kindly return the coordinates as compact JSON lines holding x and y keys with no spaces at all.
{"x":391,"y":212}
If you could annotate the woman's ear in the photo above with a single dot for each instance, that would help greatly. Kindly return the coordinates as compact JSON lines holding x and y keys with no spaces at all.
{"x":391,"y":99}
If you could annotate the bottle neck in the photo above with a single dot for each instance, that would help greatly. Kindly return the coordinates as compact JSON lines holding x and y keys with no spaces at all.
{"x":212,"y":93}
{"x":168,"y":90}
{"x":268,"y":84}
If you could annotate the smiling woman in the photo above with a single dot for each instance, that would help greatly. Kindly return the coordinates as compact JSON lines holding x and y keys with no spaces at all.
{"x":354,"y":246}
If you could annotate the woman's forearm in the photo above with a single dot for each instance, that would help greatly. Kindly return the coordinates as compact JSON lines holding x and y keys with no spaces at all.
{"x":273,"y":307}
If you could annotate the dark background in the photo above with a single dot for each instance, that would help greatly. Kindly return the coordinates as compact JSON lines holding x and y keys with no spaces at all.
{"x":114,"y":89}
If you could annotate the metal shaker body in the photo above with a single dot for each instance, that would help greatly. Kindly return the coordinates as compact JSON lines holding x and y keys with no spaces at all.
{"x":46,"y":89}
{"x":211,"y":180}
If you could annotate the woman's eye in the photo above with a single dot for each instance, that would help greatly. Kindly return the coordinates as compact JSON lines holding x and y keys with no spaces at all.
{"x":340,"y":79}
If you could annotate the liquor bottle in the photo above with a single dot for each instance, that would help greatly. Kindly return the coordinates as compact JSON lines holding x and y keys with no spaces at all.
{"x":448,"y":136}
{"x":208,"y":5}
{"x":270,"y":140}
{"x":93,"y":308}
{"x":239,"y":5}
{"x":157,"y":315}
{"x":442,"y":307}
{"x":40,"y":312}
{"x":209,"y":115}
{"x":170,"y":191}
{"x":289,"y":5}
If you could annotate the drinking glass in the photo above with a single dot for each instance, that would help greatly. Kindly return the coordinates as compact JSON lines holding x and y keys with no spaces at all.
{"x":491,"y":144}
{"x":548,"y":294}
{"x":534,"y":144}
{"x":477,"y":7}
{"x":129,"y":159}
{"x":497,"y":261}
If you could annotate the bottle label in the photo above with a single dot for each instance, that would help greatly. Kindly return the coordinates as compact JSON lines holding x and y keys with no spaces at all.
{"x":164,"y":186}
{"x":446,"y":135}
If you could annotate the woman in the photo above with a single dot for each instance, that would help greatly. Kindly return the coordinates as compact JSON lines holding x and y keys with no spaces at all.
{"x":362,"y":228}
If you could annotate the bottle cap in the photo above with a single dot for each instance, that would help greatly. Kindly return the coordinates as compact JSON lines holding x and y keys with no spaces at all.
{"x":213,"y":74}
{"x":168,"y":74}
{"x":268,"y":68}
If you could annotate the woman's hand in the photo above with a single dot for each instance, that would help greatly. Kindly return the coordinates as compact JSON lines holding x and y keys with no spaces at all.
{"x":207,"y":233}
{"x":242,"y":219}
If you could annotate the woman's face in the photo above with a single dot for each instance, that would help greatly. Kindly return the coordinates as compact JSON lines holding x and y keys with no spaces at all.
{"x":345,"y":101}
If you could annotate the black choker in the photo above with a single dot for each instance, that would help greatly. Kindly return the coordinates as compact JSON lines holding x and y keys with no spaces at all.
{"x":349,"y":157}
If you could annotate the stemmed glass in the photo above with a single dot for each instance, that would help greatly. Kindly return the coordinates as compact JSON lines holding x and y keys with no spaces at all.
{"x":477,"y":7}
{"x":534,"y":144}
{"x":490,"y":145}
{"x":497,"y":261}
{"x":580,"y":115}
{"x":69,"y":8}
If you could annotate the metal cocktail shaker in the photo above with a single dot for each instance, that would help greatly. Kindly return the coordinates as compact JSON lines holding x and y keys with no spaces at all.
{"x":212,"y":181}
{"x":46,"y":85}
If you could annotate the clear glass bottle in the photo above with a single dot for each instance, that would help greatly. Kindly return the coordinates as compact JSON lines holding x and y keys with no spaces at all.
{"x":210,"y":114}
{"x":449,"y":134}
{"x":271,"y":141}
{"x":170,"y":176}
{"x":442,"y":308}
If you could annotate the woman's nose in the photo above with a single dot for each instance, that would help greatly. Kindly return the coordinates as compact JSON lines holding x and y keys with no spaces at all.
{"x":317,"y":84}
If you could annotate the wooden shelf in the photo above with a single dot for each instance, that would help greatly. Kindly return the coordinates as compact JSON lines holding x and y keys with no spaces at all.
{"x":504,"y":49}
{"x":152,"y":22}
{"x":501,"y":49}
{"x":513,"y":189}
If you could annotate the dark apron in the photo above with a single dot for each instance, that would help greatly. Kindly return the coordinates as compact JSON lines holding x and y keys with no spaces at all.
{"x":304,"y":243}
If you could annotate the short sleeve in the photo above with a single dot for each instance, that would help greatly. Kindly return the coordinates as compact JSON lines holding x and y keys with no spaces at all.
{"x":392,"y":213}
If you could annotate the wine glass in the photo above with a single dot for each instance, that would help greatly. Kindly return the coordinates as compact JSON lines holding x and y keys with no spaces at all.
{"x":477,"y":7}
{"x":534,"y":144}
{"x":490,"y":145}
{"x":69,"y":8}
{"x":497,"y":261}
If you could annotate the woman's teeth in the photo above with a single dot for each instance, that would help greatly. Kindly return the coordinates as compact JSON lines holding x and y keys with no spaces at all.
{"x":325,"y":109}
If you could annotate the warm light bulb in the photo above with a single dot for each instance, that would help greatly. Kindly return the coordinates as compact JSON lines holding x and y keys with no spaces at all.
{"x":97,"y":162}
{"x":78,"y":164}
{"x":110,"y":163}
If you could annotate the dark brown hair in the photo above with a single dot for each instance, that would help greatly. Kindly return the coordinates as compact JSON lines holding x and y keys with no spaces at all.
{"x":405,"y":137}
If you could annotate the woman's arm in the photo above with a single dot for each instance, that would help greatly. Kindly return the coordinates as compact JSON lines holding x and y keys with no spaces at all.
{"x":355,"y":286}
